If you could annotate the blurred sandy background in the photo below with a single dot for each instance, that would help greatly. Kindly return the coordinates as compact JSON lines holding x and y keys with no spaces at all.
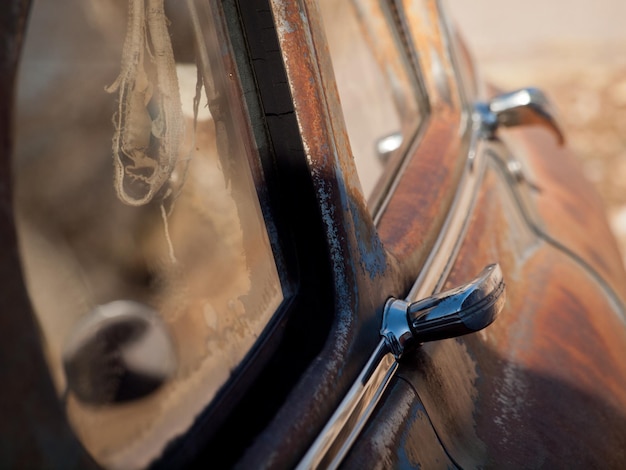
{"x":576,"y":51}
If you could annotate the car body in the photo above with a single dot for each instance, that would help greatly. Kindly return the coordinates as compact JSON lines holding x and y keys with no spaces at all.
{"x":266,"y":293}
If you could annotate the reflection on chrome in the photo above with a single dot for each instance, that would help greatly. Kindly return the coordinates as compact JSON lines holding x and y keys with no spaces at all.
{"x":385,"y":146}
{"x":335,"y":440}
{"x":119,"y":352}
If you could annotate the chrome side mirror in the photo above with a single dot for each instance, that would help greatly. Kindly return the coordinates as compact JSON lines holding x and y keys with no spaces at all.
{"x":528,"y":106}
{"x":388,"y":144}
{"x":455,"y":312}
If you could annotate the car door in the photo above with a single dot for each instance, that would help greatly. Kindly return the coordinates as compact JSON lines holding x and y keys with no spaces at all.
{"x":378,"y":251}
{"x":514,"y":394}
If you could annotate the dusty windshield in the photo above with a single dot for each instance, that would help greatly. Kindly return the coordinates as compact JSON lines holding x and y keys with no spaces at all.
{"x":142,"y":240}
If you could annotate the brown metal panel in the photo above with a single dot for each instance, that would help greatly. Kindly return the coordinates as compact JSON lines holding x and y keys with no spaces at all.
{"x":413,"y":217}
{"x":545,"y":385}
{"x":418,"y":203}
{"x":570,"y":210}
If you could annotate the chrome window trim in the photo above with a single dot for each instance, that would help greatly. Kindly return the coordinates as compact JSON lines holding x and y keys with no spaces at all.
{"x":432,"y":93}
{"x":337,"y":437}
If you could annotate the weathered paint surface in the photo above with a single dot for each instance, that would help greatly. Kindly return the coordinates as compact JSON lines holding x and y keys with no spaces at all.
{"x":545,"y":385}
{"x":519,"y":394}
{"x":399,"y":435}
{"x":567,"y":207}
{"x":410,"y":222}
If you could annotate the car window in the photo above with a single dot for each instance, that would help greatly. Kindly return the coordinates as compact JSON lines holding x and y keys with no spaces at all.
{"x":380,"y":95}
{"x":142,"y":240}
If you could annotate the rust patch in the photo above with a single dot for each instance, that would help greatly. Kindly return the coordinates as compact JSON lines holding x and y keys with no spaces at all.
{"x":575,"y":218}
{"x":551,"y":378}
{"x":414,"y":215}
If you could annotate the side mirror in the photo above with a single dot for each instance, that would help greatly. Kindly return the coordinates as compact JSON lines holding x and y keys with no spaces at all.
{"x":528,"y":106}
{"x":455,"y":312}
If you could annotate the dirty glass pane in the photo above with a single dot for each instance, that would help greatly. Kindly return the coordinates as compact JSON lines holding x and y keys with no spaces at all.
{"x":143,"y":244}
{"x":379,"y":96}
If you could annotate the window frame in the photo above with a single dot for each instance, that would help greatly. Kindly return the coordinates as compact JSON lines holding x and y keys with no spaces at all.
{"x":371,"y":259}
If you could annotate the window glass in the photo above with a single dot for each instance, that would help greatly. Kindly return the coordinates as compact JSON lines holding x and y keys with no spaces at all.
{"x":143,"y":244}
{"x":379,"y":96}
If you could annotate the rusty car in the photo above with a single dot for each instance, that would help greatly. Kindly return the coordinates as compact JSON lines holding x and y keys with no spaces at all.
{"x":293,"y":234}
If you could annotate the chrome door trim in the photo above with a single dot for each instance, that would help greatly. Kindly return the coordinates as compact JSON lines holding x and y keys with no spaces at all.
{"x":340,"y":432}
{"x":444,"y":252}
